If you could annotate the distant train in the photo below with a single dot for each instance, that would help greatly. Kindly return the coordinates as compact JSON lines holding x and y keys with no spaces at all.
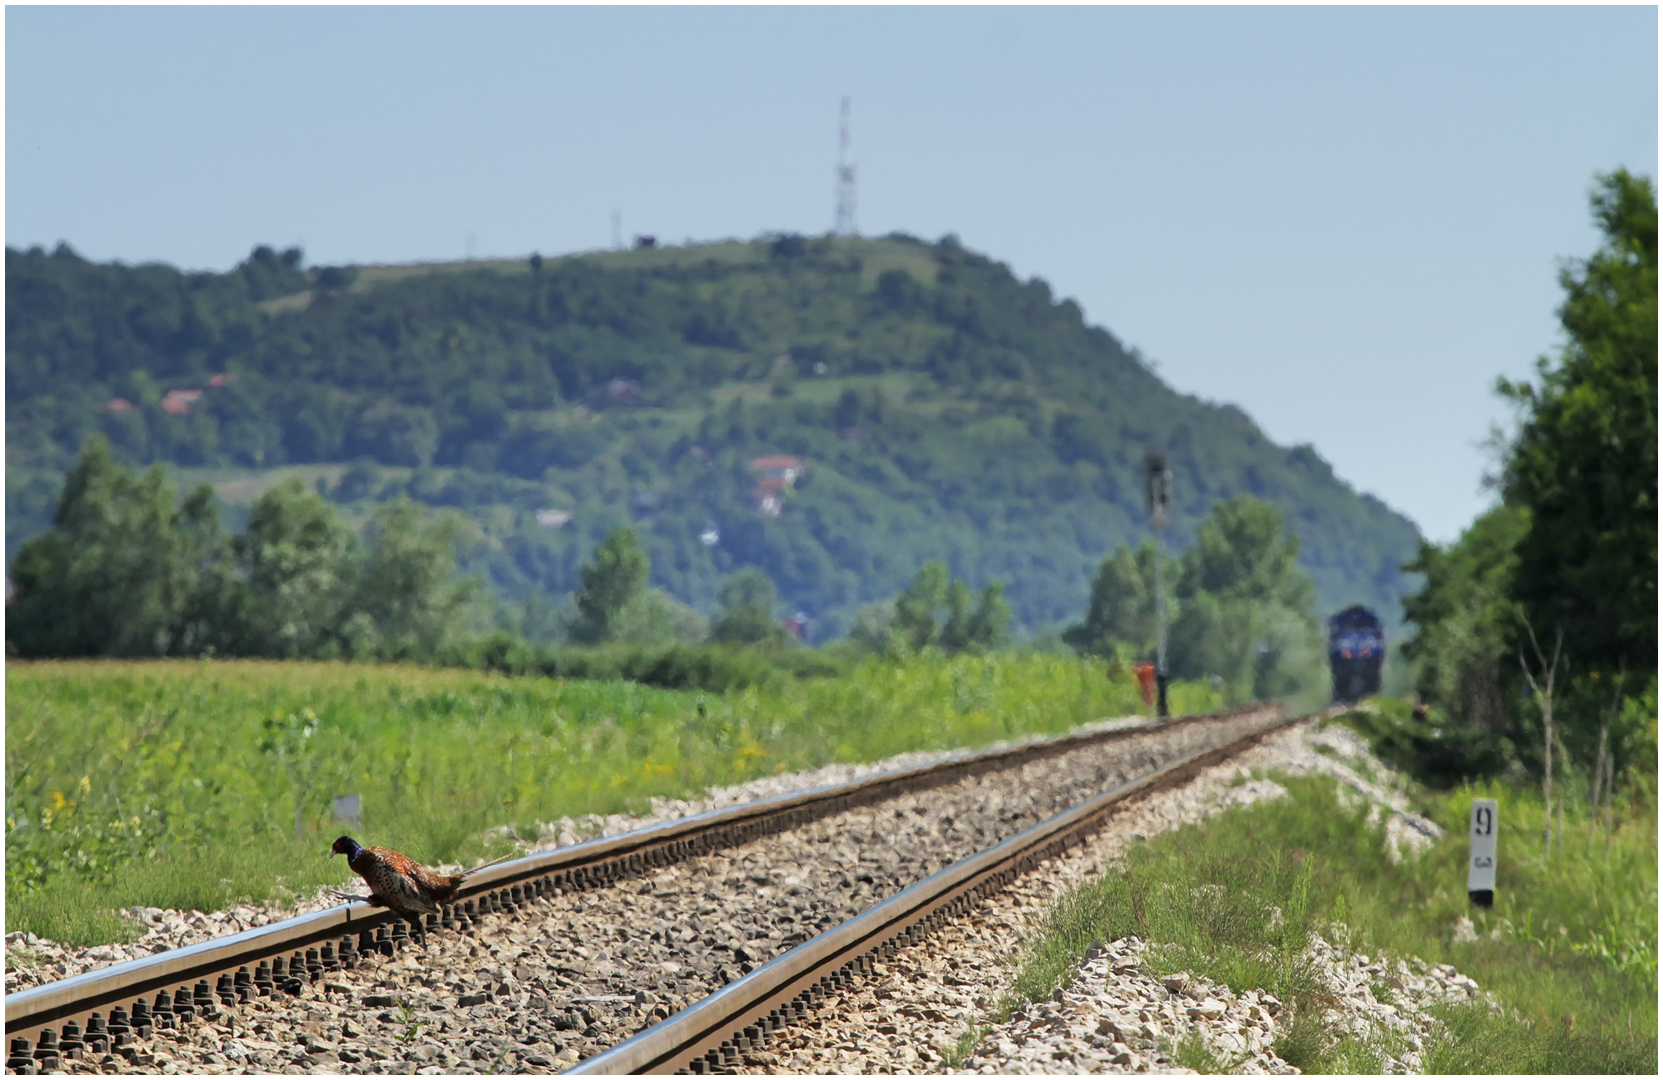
{"x":1356,"y":653}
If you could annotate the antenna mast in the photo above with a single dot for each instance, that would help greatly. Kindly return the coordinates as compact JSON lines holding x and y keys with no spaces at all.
{"x":845,"y":180}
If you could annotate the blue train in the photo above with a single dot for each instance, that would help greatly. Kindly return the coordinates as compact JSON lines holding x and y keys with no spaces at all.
{"x":1356,"y":653}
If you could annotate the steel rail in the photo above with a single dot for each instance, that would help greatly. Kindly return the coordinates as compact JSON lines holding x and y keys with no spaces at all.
{"x":714,"y":1033}
{"x":228,"y":970}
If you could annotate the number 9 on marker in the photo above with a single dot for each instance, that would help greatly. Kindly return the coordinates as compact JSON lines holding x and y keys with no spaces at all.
{"x":1481,"y":861}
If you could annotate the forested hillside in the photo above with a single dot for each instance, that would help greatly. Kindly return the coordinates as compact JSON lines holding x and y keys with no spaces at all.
{"x":937,"y":408}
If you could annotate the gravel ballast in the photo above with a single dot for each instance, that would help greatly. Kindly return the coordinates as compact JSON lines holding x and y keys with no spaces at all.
{"x":1116,"y":1016}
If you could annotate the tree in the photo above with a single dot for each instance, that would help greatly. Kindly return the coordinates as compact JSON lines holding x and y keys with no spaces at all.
{"x":1120,"y":618}
{"x":404,"y":601}
{"x":747,"y":616}
{"x":295,"y":565}
{"x":874,"y":628}
{"x":1244,"y":606}
{"x":1466,"y":623}
{"x":129,"y":570}
{"x":1570,"y":557}
{"x":1542,"y":690}
{"x":397,"y":434}
{"x":1241,"y":553}
{"x":655,"y":618}
{"x":917,"y":608}
{"x":937,"y":610}
{"x":610,"y":583}
{"x":1585,"y":461}
{"x":989,"y":623}
{"x":122,"y":570}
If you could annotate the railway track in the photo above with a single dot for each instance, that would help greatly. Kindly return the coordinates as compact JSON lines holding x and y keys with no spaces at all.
{"x":216,"y":993}
{"x":718,"y":1033}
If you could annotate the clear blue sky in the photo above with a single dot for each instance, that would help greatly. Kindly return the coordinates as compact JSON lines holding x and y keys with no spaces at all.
{"x":1346,"y":220}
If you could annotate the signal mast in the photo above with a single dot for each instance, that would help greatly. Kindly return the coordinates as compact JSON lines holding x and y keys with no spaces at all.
{"x":1157,"y":494}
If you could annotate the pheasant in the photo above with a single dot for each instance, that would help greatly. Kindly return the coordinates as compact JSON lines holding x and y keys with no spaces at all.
{"x":400,"y":882}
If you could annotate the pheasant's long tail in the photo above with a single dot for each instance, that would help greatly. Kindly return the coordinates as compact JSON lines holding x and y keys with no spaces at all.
{"x":470,"y":873}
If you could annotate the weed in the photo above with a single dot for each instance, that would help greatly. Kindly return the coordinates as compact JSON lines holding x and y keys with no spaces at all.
{"x":412,"y":1026}
{"x":1473,"y":1039}
{"x":22,"y":957}
{"x":1301,"y":1041}
{"x":1191,"y":1053}
{"x":502,"y":1055}
{"x":962,"y":1051}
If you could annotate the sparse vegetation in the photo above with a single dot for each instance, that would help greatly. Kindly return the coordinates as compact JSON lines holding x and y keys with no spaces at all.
{"x":1569,"y":949}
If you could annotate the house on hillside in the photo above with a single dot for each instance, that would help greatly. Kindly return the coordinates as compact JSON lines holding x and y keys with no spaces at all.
{"x":775,"y":475}
{"x":179,"y":402}
{"x":767,"y":495}
{"x":783,"y":466}
{"x":119,"y":405}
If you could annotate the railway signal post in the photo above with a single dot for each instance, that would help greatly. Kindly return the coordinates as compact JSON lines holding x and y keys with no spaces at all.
{"x":1157,"y":494}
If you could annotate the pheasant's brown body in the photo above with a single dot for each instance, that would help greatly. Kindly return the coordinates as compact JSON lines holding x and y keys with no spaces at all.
{"x":400,"y":882}
{"x":404,"y":884}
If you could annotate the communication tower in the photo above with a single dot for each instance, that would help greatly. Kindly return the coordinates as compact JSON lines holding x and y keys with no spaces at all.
{"x":845,"y":180}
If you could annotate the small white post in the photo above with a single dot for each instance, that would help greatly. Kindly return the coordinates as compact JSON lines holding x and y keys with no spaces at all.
{"x":1481,"y":862}
{"x":347,"y":810}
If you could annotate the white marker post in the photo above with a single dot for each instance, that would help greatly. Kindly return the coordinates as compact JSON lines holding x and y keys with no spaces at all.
{"x":1481,"y":864}
{"x":348,"y":810}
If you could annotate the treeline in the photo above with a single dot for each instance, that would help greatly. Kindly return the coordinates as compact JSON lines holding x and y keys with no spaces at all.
{"x":130,"y":569}
{"x":453,"y":368}
{"x":1240,"y":609}
{"x":1536,"y":633}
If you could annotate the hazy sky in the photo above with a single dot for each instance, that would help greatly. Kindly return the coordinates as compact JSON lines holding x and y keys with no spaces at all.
{"x":1346,"y":220}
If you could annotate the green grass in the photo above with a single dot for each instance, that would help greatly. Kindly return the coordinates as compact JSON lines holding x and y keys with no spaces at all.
{"x":1581,"y":1000}
{"x":1191,"y":1052}
{"x":170,"y":784}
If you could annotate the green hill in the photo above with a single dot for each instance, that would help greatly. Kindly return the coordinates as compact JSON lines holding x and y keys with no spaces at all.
{"x":938,"y":408}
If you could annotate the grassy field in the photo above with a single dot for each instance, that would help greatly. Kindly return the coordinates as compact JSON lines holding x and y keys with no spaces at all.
{"x":192,"y":784}
{"x":1570,"y":947}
